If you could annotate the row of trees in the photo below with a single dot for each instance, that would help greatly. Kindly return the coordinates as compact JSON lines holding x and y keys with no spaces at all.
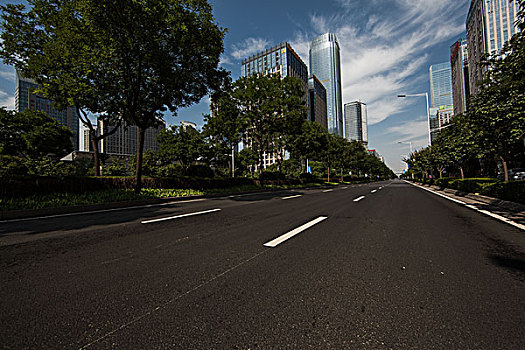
{"x":493,"y":128}
{"x":129,"y":61}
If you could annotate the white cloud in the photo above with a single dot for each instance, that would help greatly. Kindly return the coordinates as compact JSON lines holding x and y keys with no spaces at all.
{"x":7,"y":73}
{"x":416,"y":131}
{"x":383,"y":57}
{"x":249,"y":47}
{"x":7,"y":100}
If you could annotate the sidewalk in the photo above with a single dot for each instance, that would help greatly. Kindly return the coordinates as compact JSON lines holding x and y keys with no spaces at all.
{"x":510,"y":210}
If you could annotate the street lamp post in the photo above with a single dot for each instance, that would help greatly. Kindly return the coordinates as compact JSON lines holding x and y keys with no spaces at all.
{"x":428,"y":112}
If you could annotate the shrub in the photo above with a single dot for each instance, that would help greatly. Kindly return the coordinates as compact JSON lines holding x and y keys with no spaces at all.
{"x":271,"y":175}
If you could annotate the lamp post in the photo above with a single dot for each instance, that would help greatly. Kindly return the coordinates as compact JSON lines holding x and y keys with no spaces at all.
{"x":428,"y":112}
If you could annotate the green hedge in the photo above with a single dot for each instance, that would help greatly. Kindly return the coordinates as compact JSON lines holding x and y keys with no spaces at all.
{"x":27,"y":186}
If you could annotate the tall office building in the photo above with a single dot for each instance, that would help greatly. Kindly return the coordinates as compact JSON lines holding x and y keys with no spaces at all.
{"x":440,"y":85}
{"x":441,"y":102}
{"x":317,"y":102}
{"x":283,"y":60}
{"x":125,"y":140}
{"x":356,"y":122}
{"x":490,"y":24}
{"x":25,"y":98}
{"x":325,"y":63}
{"x":459,"y":70}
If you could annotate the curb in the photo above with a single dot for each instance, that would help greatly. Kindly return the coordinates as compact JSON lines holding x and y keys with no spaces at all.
{"x":507,"y":205}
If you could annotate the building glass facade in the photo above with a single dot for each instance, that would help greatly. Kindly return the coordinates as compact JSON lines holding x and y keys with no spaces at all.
{"x":356,"y":122}
{"x":26,"y":99}
{"x":440,"y":85}
{"x":325,"y":64}
{"x":125,"y":140}
{"x":490,"y":24}
{"x":459,"y":70}
{"x":317,"y":102}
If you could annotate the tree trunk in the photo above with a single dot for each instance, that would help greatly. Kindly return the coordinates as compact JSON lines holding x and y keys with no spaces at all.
{"x":505,"y":169}
{"x":138,"y":170}
{"x":462,"y":173}
{"x":328,"y":173}
{"x":96,"y":155}
{"x":440,"y":173}
{"x":341,"y":174}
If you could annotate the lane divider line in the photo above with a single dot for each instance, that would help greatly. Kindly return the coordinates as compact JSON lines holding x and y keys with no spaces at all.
{"x":327,"y":191}
{"x":359,"y":198}
{"x":180,"y":216}
{"x":486,"y":212}
{"x":290,"y":197}
{"x":287,"y":236}
{"x":344,"y":188}
{"x":373,"y":191}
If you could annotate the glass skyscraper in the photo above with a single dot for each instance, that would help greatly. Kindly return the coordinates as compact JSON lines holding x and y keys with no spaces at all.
{"x":490,"y":24}
{"x":25,"y":98}
{"x":356,"y":122}
{"x":440,"y":85}
{"x":325,"y":64}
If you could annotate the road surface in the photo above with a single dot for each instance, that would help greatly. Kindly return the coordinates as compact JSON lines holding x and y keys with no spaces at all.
{"x":377,"y":266}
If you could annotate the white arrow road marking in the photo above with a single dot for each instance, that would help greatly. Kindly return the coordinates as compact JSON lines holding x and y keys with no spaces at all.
{"x":180,"y":216}
{"x":294,"y":232}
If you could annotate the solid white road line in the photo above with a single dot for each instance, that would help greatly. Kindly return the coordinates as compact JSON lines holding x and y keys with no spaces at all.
{"x":294,"y":232}
{"x":180,"y":216}
{"x":290,"y":197}
{"x":359,"y":198}
{"x":327,"y":190}
{"x":344,"y":188}
{"x":486,"y":212}
{"x":373,"y":191}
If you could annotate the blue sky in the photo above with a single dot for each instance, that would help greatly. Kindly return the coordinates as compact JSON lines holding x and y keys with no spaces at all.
{"x":387,"y":47}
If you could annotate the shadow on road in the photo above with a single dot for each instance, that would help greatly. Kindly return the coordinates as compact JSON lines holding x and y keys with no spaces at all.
{"x":514,"y":264}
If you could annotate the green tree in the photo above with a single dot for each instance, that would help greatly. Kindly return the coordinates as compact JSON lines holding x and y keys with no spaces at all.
{"x":57,"y":44}
{"x":179,"y":144}
{"x":152,"y":55}
{"x":225,"y":126}
{"x":32,"y":134}
{"x":310,"y":143}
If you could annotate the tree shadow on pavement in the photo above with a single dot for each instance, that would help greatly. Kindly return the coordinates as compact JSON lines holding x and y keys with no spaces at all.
{"x":513,"y":264}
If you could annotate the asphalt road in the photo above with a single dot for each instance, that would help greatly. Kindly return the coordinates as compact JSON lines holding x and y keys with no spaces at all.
{"x":399,"y":268}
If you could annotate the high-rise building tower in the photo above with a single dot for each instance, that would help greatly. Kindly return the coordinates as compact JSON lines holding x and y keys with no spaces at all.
{"x":25,"y":98}
{"x":459,"y":70}
{"x":283,"y":60}
{"x":440,"y":85}
{"x":317,"y":102}
{"x":441,"y":102}
{"x":490,"y":24}
{"x":356,"y":122}
{"x":325,"y":63}
{"x":125,"y":140}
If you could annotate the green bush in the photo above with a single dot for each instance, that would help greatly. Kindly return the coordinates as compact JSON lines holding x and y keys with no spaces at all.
{"x":271,"y":175}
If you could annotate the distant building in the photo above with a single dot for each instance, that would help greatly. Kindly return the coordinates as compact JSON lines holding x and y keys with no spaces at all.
{"x":325,"y":64}
{"x":356,"y":119}
{"x":25,"y":98}
{"x":317,"y":102}
{"x":439,"y":118}
{"x":125,"y":140}
{"x":186,"y":124}
{"x":87,"y":140}
{"x":282,"y":60}
{"x":459,"y":75}
{"x":440,"y":85}
{"x":490,"y":24}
